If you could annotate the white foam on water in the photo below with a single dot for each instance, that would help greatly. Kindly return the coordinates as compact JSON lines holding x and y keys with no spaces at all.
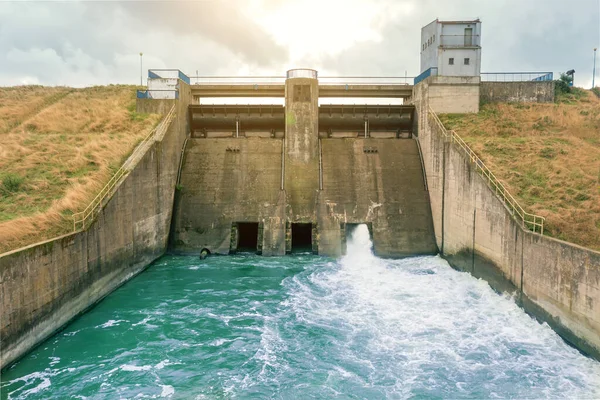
{"x":132,"y":368}
{"x":36,"y":381}
{"x":143,"y":322}
{"x":110,"y":323}
{"x":419,"y":326}
{"x":167,"y":391}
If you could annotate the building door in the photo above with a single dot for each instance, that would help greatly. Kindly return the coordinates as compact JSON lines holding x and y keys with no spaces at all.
{"x":468,"y":37}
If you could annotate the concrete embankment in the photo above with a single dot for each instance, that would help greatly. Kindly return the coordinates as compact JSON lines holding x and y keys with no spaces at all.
{"x":46,"y":285}
{"x":557,"y":282}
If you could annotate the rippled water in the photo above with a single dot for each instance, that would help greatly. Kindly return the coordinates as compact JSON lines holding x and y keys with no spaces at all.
{"x":304,"y":327}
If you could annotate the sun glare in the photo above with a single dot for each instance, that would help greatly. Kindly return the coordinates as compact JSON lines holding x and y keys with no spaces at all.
{"x":314,"y":29}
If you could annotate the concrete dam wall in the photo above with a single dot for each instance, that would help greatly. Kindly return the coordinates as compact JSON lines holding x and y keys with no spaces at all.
{"x":245,"y":185}
{"x":225,"y":182}
{"x":379,"y":181}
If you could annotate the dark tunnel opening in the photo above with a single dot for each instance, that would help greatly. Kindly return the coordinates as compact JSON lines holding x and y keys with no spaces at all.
{"x":301,"y":238}
{"x":247,"y":237}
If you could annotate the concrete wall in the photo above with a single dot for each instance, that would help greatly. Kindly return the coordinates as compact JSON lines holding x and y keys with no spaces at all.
{"x":450,"y":94}
{"x":430,"y":40}
{"x":45,"y":285}
{"x":229,"y":180}
{"x":163,"y":88}
{"x":459,"y":68}
{"x":557,"y":282}
{"x":384,"y":186}
{"x":523,"y":92}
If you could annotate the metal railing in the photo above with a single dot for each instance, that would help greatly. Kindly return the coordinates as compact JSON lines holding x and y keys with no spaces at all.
{"x":280,"y":80}
{"x":426,"y":74}
{"x":365,"y":80}
{"x":529,"y":221}
{"x":83,"y":219}
{"x":302,"y":73}
{"x":237,"y":80}
{"x":516,"y":76}
{"x":459,"y":40}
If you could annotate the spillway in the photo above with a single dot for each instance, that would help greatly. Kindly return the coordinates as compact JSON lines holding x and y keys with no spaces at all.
{"x":304,"y":326}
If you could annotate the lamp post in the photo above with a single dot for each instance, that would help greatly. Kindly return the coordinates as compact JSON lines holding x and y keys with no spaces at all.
{"x":141,"y":73}
{"x":594,"y":73}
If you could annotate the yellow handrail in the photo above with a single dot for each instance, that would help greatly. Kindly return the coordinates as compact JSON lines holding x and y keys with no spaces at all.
{"x":85,"y":217}
{"x":528,"y":220}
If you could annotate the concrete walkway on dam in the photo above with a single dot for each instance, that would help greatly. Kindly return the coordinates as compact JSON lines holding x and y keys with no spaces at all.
{"x":281,"y":183}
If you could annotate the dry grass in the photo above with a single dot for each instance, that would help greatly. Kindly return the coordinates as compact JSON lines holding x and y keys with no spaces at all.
{"x":57,"y":157}
{"x":548,"y":155}
{"x":21,"y":102}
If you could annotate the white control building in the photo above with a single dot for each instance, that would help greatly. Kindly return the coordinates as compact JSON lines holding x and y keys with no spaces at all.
{"x":453,"y":47}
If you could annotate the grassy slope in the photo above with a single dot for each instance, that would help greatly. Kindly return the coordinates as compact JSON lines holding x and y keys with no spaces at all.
{"x":548,"y":155}
{"x":58,"y":148}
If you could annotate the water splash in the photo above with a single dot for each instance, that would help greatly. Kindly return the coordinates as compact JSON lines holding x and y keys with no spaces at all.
{"x":360,"y":244}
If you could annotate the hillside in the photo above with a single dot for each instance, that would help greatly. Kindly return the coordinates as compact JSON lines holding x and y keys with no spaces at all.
{"x":548,"y":156}
{"x":58,"y":148}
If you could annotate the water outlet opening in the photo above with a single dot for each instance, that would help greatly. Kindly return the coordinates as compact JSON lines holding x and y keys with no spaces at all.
{"x":301,"y":238}
{"x":247,"y":237}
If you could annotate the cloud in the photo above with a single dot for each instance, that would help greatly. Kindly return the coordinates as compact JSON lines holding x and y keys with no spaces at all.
{"x":219,"y":21}
{"x":85,"y":43}
{"x":79,"y":43}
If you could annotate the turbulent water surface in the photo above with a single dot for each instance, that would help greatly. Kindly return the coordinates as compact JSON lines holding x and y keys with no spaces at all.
{"x":304,"y":327}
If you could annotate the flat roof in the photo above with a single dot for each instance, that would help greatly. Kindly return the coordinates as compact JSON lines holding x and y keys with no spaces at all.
{"x":459,"y":22}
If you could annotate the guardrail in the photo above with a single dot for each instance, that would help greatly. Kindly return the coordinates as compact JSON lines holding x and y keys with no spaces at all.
{"x":459,"y":40}
{"x":365,"y":80}
{"x":280,"y":80}
{"x":529,"y":221}
{"x":237,"y":80}
{"x":426,"y":74}
{"x":84,"y":218}
{"x":516,"y":76}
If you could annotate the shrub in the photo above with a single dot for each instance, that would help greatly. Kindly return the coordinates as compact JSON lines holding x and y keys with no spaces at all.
{"x":11,"y":183}
{"x":563,"y":85}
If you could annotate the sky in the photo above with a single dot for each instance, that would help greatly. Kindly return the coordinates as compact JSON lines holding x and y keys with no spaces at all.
{"x":83,"y":43}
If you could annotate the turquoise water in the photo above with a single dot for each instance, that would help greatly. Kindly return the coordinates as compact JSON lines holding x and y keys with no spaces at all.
{"x":304,"y":327}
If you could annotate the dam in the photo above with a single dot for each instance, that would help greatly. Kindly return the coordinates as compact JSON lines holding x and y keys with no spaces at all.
{"x":356,"y":246}
{"x":277,"y":178}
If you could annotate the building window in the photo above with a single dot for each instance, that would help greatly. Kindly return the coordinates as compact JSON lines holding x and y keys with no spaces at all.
{"x":451,"y":61}
{"x":467,"y":61}
{"x":423,"y":47}
{"x":434,"y":38}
